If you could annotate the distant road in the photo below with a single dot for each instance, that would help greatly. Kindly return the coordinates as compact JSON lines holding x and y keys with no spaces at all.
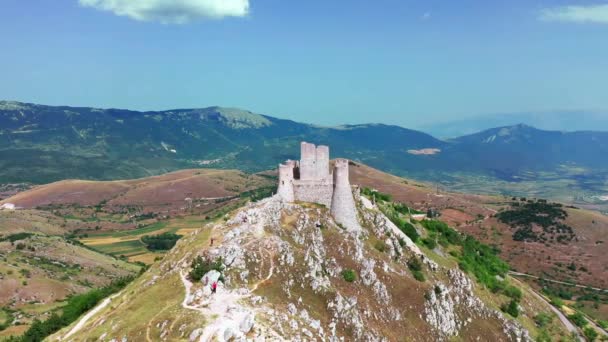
{"x":565,"y":321}
{"x":561,"y":316}
{"x":556,"y":281}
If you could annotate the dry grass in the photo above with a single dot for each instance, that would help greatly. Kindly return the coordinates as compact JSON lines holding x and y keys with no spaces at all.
{"x":156,"y":192}
{"x":473,"y":214}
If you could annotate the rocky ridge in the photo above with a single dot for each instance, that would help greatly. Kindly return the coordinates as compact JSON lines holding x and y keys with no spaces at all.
{"x":283,"y":278}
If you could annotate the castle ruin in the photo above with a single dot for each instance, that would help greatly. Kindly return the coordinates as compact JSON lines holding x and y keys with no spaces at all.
{"x":311,"y":180}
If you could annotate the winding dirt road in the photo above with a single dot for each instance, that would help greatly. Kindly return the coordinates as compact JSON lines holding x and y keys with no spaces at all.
{"x":556,"y":281}
{"x":89,"y":315}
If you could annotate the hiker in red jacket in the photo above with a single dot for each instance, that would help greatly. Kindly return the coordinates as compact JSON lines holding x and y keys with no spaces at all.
{"x":214,"y":287}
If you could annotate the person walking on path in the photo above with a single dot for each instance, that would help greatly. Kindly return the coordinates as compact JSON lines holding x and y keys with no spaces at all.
{"x":214,"y":287}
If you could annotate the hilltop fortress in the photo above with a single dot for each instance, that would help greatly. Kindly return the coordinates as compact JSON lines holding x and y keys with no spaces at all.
{"x":310,"y":180}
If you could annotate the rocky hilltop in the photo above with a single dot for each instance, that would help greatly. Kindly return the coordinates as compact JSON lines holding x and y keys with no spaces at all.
{"x":288,"y":271}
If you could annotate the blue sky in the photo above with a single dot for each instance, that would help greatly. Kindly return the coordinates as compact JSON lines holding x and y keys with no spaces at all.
{"x":327,"y":62}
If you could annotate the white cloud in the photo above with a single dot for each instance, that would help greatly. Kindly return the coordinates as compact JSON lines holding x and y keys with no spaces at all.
{"x":576,"y":14}
{"x":171,"y":11}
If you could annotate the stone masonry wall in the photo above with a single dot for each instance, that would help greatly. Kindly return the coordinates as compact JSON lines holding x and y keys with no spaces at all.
{"x":313,"y":191}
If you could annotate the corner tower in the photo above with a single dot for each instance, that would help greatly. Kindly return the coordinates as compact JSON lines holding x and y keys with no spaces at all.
{"x":285,"y":188}
{"x":343,"y":207}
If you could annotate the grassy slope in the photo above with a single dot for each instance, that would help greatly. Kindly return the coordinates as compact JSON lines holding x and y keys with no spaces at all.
{"x":105,"y":217}
{"x":473,"y":214}
{"x":150,"y":306}
{"x":36,"y":279}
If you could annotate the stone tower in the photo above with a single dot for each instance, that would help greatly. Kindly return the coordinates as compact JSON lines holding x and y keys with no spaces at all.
{"x":311,"y":180}
{"x":342,"y":202}
{"x":308,"y":161}
{"x":322,"y":162}
{"x":285,"y":188}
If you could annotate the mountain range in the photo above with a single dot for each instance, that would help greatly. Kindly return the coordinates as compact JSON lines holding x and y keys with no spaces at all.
{"x":552,"y":120}
{"x":40,"y":144}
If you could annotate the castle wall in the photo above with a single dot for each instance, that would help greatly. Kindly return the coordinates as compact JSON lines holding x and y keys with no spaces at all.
{"x":343,"y":207}
{"x":313,"y":191}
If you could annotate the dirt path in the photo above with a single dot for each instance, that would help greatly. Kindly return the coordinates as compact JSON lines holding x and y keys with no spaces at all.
{"x":557,"y":281}
{"x":270,"y":272}
{"x":89,"y":315}
{"x":224,"y":302}
{"x":565,"y":321}
{"x":589,"y":320}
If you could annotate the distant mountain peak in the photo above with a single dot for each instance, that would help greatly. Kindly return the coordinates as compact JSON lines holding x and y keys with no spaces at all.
{"x":12,"y":105}
{"x":510,"y":130}
{"x":234,"y":117}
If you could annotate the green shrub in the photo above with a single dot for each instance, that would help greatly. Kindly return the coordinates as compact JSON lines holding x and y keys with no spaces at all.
{"x":379,"y":196}
{"x":380,"y":246}
{"x":446,"y":235}
{"x":548,"y":216}
{"x":590,"y":333}
{"x":430,"y":242}
{"x":160,"y":242}
{"x":200,"y":266}
{"x":259,"y":193}
{"x":414,"y":264}
{"x":482,"y":261}
{"x":543,"y":336}
{"x":603,"y":324}
{"x":16,"y":237}
{"x":578,"y":319}
{"x":512,"y":308}
{"x":349,"y":275}
{"x":418,"y":275}
{"x":404,"y":209}
{"x":513,"y":292}
{"x":409,"y":230}
{"x":543,"y":319}
{"x":557,"y":302}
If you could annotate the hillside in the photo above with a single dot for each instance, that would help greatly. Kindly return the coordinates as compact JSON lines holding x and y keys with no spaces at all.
{"x":520,"y":148}
{"x":73,"y":237}
{"x":581,"y":260}
{"x":66,"y":212}
{"x":41,"y":144}
{"x":40,"y":268}
{"x":151,"y":194}
{"x":476,"y":215}
{"x":290,"y":272}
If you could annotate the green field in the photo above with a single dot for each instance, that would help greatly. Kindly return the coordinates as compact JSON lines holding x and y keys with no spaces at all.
{"x":135,"y":232}
{"x":128,"y":243}
{"x":126,"y":248}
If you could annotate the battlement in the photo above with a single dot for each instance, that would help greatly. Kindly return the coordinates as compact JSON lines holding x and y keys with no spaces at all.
{"x":311,"y":180}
